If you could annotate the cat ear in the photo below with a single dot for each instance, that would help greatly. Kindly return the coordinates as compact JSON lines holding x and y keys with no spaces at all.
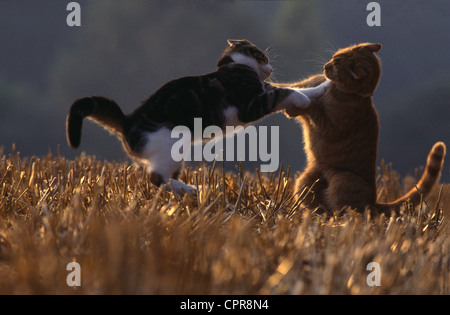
{"x":358,"y":72}
{"x":234,"y":42}
{"x":374,"y":47}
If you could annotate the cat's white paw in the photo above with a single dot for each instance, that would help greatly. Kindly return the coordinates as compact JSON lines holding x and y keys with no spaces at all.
{"x":180,"y":188}
{"x":299,"y":99}
{"x":190,"y":190}
{"x":322,"y":88}
{"x":318,"y":91}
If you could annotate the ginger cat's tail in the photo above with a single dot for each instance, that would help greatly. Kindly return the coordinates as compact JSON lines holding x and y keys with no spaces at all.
{"x":429,"y":178}
{"x":103,"y":111}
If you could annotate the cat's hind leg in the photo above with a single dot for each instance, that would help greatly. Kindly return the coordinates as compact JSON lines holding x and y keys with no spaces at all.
{"x":311,"y":186}
{"x":346,"y":189}
{"x":164,"y":171}
{"x":172,"y":182}
{"x":156,"y":153}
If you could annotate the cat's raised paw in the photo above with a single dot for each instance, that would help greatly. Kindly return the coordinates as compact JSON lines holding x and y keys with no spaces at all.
{"x":318,"y":91}
{"x":323,"y":88}
{"x":300,"y":100}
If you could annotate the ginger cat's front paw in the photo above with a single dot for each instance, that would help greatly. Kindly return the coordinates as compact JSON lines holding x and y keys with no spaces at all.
{"x":292,"y":111}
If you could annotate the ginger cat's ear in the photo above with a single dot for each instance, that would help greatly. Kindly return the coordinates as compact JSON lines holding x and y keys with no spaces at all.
{"x":374,"y":47}
{"x":358,"y":72}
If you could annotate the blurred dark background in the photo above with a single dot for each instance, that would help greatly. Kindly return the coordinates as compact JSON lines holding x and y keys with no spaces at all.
{"x":125,"y":50}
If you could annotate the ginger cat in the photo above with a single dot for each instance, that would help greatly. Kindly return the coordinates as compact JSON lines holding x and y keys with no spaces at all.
{"x":341,"y":136}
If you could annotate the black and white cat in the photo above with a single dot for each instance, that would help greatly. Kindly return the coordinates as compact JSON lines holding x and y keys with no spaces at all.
{"x":234,"y":94}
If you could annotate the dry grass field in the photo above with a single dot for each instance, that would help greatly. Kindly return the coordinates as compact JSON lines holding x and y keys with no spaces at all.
{"x":246,"y":233}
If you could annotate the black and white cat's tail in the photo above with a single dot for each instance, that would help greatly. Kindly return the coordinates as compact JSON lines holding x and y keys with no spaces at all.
{"x":103,"y":111}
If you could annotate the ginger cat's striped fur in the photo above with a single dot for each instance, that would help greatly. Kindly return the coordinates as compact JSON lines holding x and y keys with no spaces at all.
{"x":341,"y":136}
